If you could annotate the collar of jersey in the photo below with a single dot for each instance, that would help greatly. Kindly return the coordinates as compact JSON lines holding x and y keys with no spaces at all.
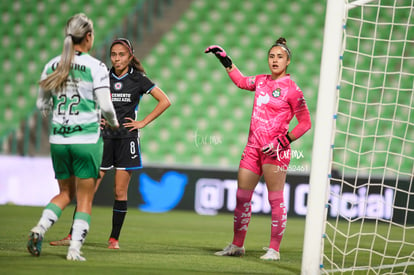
{"x":131,"y":69}
{"x":282,"y":78}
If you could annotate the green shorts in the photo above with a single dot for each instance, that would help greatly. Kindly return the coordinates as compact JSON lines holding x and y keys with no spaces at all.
{"x":80,"y":160}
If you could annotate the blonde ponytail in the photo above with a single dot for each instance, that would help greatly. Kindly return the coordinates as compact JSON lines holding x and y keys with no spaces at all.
{"x":76,"y":29}
{"x":56,"y":80}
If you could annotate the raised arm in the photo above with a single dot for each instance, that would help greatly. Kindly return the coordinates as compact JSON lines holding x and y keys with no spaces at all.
{"x":221,"y":54}
{"x":241,"y":81}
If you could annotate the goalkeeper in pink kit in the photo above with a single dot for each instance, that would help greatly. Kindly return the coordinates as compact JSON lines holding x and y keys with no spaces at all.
{"x":277,"y":99}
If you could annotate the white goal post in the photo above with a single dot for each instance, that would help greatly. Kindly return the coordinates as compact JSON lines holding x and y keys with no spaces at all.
{"x":321,"y":153}
{"x":361,"y":199}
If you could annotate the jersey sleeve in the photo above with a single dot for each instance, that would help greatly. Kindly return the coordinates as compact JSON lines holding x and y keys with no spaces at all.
{"x":296,"y":99}
{"x":104,"y":99}
{"x":301,"y":111}
{"x":101,"y":77}
{"x":147,"y":84}
{"x":241,"y":81}
{"x":43,"y":102}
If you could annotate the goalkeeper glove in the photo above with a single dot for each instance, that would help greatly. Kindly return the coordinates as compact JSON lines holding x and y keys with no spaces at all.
{"x":221,"y":54}
{"x":281,"y":142}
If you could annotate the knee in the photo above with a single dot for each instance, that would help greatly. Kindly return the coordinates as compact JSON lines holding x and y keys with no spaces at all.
{"x":64,"y":198}
{"x":67,"y":194}
{"x":120,"y":195}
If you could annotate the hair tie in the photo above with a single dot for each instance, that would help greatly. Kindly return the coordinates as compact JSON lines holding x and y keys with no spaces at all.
{"x":71,"y":36}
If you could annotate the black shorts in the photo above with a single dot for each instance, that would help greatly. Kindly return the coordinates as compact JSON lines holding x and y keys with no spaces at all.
{"x":122,"y":153}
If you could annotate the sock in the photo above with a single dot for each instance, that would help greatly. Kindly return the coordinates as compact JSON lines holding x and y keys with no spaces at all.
{"x":118,"y":216}
{"x":50,"y":215}
{"x":242,"y":215}
{"x":80,"y":229}
{"x":279,"y":218}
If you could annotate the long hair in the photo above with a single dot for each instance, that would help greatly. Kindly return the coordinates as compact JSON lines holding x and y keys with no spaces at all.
{"x":76,"y":29}
{"x":135,"y":63}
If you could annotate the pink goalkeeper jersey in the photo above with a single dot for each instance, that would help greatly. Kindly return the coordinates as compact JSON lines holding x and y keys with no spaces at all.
{"x":275,"y":103}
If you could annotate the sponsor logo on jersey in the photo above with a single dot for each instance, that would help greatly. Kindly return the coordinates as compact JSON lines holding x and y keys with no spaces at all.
{"x":66,"y":130}
{"x":73,"y":66}
{"x":262,"y":99}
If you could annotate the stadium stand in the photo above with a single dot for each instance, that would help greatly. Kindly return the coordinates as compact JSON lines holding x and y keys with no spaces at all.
{"x":32,"y":33}
{"x":209,"y":119}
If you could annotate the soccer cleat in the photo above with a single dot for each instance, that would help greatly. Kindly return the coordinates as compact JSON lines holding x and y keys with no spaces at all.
{"x":271,"y":255}
{"x":63,"y":242}
{"x":231,"y":250}
{"x":74,"y":255}
{"x":34,"y":245}
{"x":113,"y":243}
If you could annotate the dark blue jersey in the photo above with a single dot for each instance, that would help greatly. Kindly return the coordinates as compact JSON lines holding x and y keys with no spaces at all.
{"x":126,"y":92}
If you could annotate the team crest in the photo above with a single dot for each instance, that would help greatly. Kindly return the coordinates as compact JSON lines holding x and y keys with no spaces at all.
{"x":118,"y":86}
{"x":276,"y":93}
{"x":252,"y":80}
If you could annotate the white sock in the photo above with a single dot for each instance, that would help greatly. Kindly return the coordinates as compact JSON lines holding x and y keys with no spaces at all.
{"x":80,"y":230}
{"x":46,"y":221}
{"x":50,"y":215}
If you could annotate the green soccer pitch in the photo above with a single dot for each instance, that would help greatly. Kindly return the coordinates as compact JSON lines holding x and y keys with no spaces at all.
{"x":176,"y":242}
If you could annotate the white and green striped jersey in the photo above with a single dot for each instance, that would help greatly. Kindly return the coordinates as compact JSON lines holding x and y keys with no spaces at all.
{"x":75,"y":111}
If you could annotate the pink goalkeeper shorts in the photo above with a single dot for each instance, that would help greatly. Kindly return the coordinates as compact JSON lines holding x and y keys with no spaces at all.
{"x":253,"y":159}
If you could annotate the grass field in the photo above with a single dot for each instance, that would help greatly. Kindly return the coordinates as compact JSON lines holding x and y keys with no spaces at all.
{"x":176,"y":242}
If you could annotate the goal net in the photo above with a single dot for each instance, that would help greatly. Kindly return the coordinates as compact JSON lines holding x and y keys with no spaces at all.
{"x":368,"y":207}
